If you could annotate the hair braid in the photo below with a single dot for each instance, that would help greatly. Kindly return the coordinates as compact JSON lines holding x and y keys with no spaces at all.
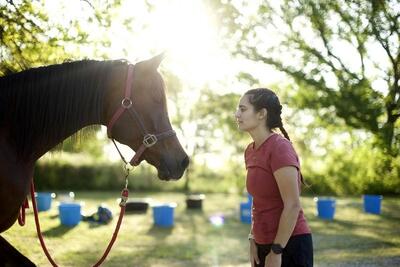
{"x":264,"y":98}
{"x":284,"y":132}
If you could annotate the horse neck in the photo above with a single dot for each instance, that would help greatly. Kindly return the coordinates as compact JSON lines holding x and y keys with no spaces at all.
{"x":70,"y":98}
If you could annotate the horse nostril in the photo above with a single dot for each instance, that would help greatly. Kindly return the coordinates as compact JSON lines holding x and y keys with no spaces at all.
{"x":185,"y":162}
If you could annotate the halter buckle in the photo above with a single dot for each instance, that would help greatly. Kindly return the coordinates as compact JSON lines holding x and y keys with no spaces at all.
{"x":149,"y":140}
{"x":126,"y":103}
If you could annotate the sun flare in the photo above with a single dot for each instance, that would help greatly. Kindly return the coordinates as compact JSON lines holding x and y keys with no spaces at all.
{"x":185,"y":31}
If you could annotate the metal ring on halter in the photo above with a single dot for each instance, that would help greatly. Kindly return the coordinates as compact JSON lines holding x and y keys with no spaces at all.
{"x":128,"y":168}
{"x":126,"y":103}
{"x":149,"y":140}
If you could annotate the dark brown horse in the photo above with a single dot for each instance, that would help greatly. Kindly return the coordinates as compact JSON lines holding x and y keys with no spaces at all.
{"x":41,"y":107}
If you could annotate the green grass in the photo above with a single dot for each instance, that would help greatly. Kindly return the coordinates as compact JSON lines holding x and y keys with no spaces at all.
{"x":352,"y":239}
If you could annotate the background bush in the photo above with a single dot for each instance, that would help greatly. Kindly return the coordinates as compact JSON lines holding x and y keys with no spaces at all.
{"x":364,"y":171}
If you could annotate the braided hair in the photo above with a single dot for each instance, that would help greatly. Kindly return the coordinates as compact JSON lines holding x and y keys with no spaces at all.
{"x":265,"y":98}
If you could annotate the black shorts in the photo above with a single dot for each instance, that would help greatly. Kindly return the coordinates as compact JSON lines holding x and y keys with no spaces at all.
{"x":297,"y":253}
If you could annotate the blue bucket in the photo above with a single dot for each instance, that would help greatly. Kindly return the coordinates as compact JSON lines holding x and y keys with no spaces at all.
{"x":163,"y":214}
{"x":43,"y":201}
{"x":249,"y":198}
{"x":326,"y":208}
{"x":245,"y":212}
{"x":70,"y":213}
{"x":372,"y":203}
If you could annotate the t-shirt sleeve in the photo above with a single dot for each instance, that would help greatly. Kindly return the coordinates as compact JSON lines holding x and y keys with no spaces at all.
{"x":283,"y":155}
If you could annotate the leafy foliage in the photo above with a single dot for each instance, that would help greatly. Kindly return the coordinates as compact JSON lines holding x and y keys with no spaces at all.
{"x":216,"y":119}
{"x":31,"y":37}
{"x":342,"y":54}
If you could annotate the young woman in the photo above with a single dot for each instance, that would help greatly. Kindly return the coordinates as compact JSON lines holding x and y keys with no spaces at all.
{"x":279,"y":234}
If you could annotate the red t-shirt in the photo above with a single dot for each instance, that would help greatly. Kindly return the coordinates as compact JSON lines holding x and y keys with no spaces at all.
{"x":276,"y":152}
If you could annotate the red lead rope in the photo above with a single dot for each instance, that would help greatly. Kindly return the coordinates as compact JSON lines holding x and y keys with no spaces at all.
{"x":21,"y":220}
{"x":21,"y":216}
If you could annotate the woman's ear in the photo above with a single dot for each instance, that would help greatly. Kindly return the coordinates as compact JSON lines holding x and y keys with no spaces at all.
{"x":262,"y":114}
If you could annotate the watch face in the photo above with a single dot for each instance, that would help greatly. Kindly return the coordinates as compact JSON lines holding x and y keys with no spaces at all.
{"x":277,"y":248}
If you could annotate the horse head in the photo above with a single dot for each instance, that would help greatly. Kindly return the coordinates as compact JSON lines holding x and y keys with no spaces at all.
{"x":137,"y":117}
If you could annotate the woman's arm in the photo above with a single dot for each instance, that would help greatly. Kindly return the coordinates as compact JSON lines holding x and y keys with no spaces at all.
{"x":287,"y":180}
{"x":253,"y":248}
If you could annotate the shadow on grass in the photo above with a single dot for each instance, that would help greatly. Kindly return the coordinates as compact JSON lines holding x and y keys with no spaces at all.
{"x":160,"y":232}
{"x":346,"y":250}
{"x":389,"y":211}
{"x":178,"y":254}
{"x":344,"y":241}
{"x":95,"y":225}
{"x":54,"y":216}
{"x":57,"y":231}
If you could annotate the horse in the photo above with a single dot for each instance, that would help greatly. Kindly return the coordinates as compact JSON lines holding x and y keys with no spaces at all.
{"x":40,"y":107}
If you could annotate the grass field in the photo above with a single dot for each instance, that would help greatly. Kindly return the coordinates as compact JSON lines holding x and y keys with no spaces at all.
{"x":352,"y":239}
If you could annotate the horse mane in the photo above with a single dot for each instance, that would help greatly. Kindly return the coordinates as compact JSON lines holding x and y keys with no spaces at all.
{"x":42,"y":104}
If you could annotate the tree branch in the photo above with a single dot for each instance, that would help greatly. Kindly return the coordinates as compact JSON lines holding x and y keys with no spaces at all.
{"x":292,"y":72}
{"x":88,"y":2}
{"x":304,"y":46}
{"x":27,"y":19}
{"x":384,"y":42}
{"x":356,"y":33}
{"x":321,"y":29}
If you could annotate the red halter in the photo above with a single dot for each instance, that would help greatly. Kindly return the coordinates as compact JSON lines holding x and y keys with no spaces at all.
{"x":149,"y":140}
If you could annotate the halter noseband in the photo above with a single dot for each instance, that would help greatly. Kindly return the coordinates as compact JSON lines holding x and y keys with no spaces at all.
{"x":149,"y":139}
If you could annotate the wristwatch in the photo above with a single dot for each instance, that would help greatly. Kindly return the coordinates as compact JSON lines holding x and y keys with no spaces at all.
{"x":251,"y":236}
{"x":277,"y":248}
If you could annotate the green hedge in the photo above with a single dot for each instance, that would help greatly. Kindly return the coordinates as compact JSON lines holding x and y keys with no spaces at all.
{"x":63,"y":171}
{"x":75,"y":172}
{"x":365,"y":170}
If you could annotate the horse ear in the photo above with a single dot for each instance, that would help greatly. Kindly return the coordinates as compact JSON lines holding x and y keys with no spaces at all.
{"x":155,"y":62}
{"x":152,"y":64}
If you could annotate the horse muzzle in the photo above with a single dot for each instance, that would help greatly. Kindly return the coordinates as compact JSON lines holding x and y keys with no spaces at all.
{"x":170,"y":169}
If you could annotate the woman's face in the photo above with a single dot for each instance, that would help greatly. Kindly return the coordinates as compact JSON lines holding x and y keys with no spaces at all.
{"x":246,"y":117}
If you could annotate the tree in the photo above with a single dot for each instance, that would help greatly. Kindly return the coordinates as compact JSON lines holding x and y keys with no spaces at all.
{"x":215,"y":114}
{"x":217,"y":126}
{"x":187,"y":121}
{"x":29,"y":38}
{"x":344,"y":55}
{"x":207,"y":122}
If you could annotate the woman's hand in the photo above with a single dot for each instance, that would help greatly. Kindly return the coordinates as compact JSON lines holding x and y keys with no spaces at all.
{"x":253,"y":253}
{"x":273,"y":260}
